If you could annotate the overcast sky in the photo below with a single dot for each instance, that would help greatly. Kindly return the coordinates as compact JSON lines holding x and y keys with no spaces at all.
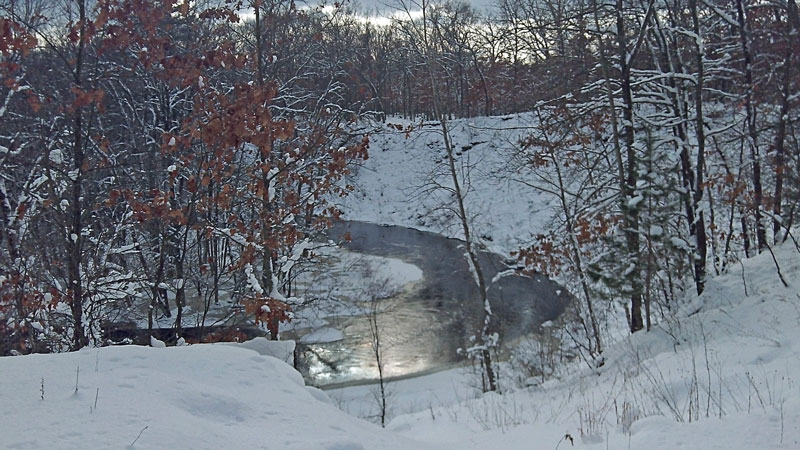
{"x":388,"y":7}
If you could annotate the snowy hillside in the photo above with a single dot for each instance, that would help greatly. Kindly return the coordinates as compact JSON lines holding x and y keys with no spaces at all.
{"x":721,"y":375}
{"x":397,"y":185}
{"x":720,"y":372}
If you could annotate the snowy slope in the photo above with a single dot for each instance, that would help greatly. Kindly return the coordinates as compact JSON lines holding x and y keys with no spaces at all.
{"x":394,"y":186}
{"x":723,"y":374}
{"x":197,"y":397}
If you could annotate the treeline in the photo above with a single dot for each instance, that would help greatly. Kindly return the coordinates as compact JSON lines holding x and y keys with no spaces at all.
{"x":155,"y":148}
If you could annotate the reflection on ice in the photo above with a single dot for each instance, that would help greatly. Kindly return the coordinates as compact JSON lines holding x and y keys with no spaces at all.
{"x":430,"y":316}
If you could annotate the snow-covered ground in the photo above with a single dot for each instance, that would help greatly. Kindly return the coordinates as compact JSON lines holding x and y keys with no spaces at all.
{"x":196,"y":397}
{"x":344,"y":273}
{"x":721,"y":375}
{"x":394,"y":186}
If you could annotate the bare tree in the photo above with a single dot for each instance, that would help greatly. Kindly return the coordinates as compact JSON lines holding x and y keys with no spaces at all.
{"x":421,"y":35}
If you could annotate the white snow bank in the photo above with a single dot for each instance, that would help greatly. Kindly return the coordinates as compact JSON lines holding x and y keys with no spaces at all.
{"x":408,"y":395}
{"x":322,"y":335}
{"x":350,"y":273}
{"x":345,"y":280}
{"x":399,"y":272}
{"x":198,"y":397}
{"x":282,"y":350}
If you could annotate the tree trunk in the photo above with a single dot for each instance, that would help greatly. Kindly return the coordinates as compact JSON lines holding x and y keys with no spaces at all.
{"x":752,"y":131}
{"x":698,"y":229}
{"x":631,"y":214}
{"x":75,"y":240}
{"x":575,"y":247}
{"x":783,"y":117}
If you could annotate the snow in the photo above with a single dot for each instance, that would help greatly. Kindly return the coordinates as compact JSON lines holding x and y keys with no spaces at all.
{"x":282,"y":350}
{"x":633,"y":202}
{"x":721,"y":374}
{"x":410,"y":395}
{"x":252,"y":280}
{"x":680,"y":244}
{"x":199,"y":397}
{"x":156,"y":343}
{"x":504,"y":213}
{"x":656,"y":230}
{"x":345,"y":281}
{"x":322,"y":335}
{"x":347,"y":274}
{"x":56,"y":156}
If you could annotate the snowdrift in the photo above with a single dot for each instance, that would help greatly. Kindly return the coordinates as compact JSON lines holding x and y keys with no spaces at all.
{"x":722,"y":373}
{"x":195,"y":397}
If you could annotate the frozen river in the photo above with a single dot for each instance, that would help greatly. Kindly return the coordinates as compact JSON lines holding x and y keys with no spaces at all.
{"x":423,"y":325}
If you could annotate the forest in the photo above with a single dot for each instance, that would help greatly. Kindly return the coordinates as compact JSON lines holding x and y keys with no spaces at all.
{"x":153,"y":151}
